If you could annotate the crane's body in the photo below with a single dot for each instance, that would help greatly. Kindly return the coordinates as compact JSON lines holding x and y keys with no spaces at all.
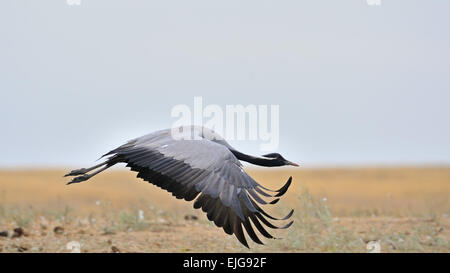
{"x":196,"y":163}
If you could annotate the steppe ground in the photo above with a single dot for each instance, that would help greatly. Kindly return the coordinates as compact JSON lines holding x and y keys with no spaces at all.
{"x":336,"y":210}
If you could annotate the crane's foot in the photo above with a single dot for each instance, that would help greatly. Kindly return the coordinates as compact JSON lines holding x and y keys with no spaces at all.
{"x":79,"y":179}
{"x":81,"y":174}
{"x":77,"y":172}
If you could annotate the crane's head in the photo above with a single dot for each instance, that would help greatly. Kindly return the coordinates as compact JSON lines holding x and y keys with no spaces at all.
{"x":280,"y":159}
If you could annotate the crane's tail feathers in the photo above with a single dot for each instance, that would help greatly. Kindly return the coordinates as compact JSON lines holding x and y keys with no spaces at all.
{"x":82,"y":174}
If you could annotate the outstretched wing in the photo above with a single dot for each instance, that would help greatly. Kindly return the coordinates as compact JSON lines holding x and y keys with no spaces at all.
{"x":203,"y":168}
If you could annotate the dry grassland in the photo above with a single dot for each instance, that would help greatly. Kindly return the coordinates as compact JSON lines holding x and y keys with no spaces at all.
{"x":336,"y":210}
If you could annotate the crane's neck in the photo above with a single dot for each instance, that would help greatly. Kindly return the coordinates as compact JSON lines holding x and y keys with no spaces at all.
{"x":261,"y":161}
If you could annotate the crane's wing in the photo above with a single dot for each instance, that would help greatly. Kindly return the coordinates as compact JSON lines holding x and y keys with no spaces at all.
{"x":203,"y":168}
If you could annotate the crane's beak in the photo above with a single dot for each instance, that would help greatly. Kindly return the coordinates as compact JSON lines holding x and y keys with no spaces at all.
{"x":292,"y":164}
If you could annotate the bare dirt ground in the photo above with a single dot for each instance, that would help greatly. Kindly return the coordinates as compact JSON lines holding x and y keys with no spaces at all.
{"x":336,"y":210}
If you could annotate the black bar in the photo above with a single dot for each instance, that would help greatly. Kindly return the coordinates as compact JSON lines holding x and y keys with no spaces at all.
{"x":226,"y":262}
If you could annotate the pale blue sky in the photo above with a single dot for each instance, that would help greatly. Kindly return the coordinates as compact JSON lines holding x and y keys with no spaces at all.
{"x":356,"y":84}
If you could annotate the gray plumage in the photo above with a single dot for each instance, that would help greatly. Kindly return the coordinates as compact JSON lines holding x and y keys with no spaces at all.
{"x":205,"y":169}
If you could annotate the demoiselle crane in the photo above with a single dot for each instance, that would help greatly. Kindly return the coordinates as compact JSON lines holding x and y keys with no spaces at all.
{"x":200,"y":164}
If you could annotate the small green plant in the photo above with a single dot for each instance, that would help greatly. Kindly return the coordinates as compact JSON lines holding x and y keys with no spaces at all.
{"x":63,"y":214}
{"x":315,"y":231}
{"x":129,"y":220}
{"x":22,"y":217}
{"x":108,"y":230}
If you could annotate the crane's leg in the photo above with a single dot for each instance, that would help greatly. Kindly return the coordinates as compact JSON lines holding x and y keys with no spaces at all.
{"x":84,"y":170}
{"x":85,"y":177}
{"x":81,"y":174}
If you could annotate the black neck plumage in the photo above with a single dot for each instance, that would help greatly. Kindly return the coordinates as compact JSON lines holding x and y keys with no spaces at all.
{"x":261,"y":161}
